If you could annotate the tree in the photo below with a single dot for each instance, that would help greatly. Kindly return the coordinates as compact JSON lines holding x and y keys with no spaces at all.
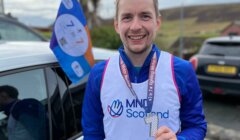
{"x":95,"y":8}
{"x":91,"y":16}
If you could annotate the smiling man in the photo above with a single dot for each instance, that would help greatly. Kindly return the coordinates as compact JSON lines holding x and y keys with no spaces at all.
{"x":143,"y":93}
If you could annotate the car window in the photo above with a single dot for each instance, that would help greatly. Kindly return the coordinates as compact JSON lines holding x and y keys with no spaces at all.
{"x":27,"y":115}
{"x":221,"y":48}
{"x":22,"y":80}
{"x":13,"y":32}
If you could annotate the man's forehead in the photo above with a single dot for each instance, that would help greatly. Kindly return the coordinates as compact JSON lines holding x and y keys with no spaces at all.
{"x":131,"y":5}
{"x":133,"y":11}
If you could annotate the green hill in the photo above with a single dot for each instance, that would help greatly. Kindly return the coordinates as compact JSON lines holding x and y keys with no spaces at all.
{"x":206,"y":13}
{"x":199,"y":22}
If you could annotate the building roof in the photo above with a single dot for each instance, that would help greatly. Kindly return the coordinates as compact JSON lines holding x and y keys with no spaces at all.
{"x":236,"y":22}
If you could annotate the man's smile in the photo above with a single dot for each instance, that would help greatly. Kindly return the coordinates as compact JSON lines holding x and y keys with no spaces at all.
{"x":136,"y":37}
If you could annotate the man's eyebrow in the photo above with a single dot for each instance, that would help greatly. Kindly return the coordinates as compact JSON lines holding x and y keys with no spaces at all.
{"x":142,"y":13}
{"x":146,"y":13}
{"x":125,"y":14}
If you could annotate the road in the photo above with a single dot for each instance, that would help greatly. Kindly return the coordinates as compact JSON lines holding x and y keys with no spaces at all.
{"x":223,"y":111}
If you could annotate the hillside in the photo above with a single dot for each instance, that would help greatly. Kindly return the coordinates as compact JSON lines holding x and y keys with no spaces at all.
{"x":206,"y":13}
{"x":200,"y":22}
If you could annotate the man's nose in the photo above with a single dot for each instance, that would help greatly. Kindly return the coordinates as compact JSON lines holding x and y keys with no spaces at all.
{"x":135,"y":25}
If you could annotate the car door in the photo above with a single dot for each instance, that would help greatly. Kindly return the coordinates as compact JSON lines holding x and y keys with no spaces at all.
{"x":61,"y":100}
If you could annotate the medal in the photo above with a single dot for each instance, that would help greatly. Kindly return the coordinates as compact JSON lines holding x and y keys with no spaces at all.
{"x":152,"y":120}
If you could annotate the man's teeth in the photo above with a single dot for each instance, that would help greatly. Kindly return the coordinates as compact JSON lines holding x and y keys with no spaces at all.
{"x":136,"y":37}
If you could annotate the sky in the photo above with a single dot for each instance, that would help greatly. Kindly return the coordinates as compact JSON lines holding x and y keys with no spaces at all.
{"x":42,"y":13}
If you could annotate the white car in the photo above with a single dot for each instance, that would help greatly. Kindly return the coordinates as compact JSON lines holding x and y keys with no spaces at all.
{"x":13,"y":30}
{"x":33,"y":70}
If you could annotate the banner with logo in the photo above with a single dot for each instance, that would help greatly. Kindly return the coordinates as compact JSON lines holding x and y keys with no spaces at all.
{"x":71,"y":41}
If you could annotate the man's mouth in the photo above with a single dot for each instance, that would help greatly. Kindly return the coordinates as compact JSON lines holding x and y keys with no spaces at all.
{"x":136,"y":37}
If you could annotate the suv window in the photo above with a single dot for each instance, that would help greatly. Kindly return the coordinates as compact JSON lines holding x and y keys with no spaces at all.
{"x":13,"y":32}
{"x":221,"y":48}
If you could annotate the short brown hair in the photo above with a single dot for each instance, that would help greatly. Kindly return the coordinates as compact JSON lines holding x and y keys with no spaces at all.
{"x":155,"y":2}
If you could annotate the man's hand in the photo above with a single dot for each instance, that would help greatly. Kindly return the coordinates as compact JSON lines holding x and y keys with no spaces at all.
{"x":164,"y":133}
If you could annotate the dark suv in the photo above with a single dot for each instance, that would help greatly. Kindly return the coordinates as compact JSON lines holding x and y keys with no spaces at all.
{"x":218,"y":65}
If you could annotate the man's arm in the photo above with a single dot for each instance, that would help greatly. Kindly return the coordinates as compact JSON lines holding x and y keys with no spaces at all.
{"x":92,"y":114}
{"x":192,"y":118}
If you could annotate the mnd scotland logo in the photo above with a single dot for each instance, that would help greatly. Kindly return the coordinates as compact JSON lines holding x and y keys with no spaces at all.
{"x":116,"y":109}
{"x":134,"y":109}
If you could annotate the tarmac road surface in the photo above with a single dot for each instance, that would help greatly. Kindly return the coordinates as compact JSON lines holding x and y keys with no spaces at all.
{"x":223,"y":111}
{"x":223,"y":117}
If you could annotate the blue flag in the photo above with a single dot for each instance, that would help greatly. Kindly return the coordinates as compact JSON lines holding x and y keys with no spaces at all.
{"x":71,"y":41}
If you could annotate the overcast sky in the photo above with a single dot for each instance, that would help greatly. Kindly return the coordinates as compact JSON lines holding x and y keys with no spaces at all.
{"x":43,"y":12}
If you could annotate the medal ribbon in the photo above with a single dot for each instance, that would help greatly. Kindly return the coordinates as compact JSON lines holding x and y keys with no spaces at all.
{"x":151,"y":82}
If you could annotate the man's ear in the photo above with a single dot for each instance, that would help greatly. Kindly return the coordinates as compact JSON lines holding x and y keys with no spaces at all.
{"x":116,"y":25}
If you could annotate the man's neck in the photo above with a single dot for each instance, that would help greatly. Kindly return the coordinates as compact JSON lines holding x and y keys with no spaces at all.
{"x":138,"y":59}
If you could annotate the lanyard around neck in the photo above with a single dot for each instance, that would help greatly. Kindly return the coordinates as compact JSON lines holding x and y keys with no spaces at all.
{"x":151,"y":82}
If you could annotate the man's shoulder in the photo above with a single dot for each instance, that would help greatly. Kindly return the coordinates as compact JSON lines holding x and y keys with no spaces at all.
{"x":182,"y":69}
{"x":180,"y":63}
{"x":99,"y":67}
{"x":97,"y":71}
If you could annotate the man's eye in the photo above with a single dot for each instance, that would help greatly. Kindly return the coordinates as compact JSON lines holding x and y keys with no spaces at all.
{"x":127,"y":18}
{"x":146,"y":17}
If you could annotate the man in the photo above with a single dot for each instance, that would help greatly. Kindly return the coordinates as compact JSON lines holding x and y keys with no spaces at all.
{"x":143,"y":93}
{"x":26,"y":118}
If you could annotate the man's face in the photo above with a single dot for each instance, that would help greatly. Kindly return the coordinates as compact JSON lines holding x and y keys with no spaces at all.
{"x":137,"y":24}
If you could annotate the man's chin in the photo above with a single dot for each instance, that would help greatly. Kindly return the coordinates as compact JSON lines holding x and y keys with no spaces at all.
{"x":139,"y":50}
